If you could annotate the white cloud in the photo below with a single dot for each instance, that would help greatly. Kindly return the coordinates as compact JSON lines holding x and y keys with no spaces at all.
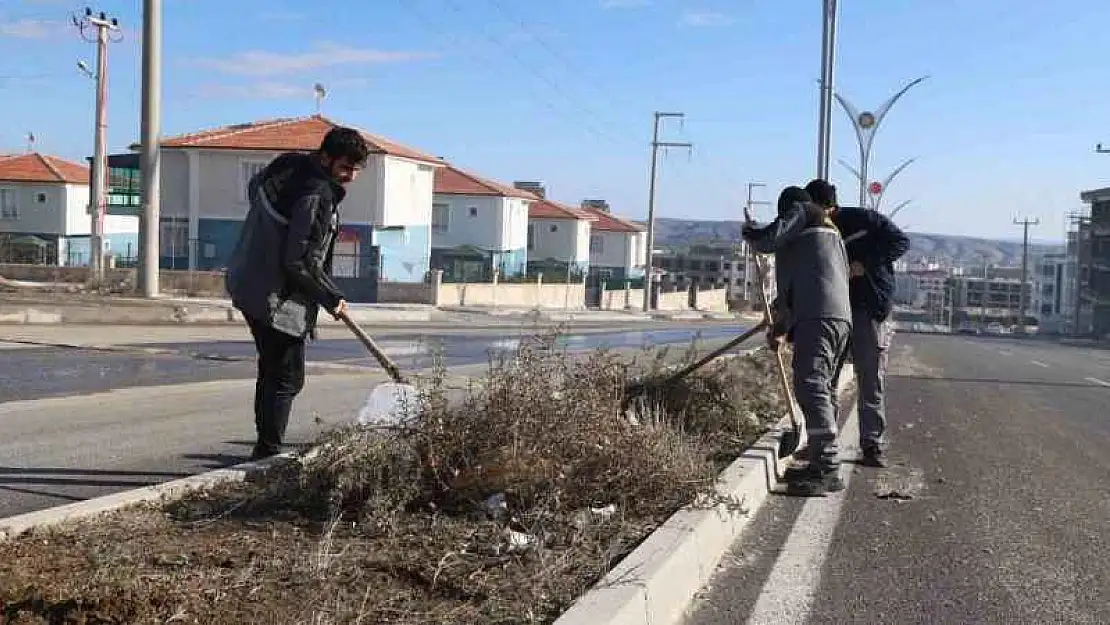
{"x":30,"y":29}
{"x":623,"y":4}
{"x":705,"y":18}
{"x":261,"y":63}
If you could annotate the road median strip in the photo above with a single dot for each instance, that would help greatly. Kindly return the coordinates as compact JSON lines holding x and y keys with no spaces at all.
{"x":688,"y":543}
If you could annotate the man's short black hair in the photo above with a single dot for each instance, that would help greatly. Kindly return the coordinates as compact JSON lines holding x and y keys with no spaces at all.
{"x":348,"y":143}
{"x":822,"y":192}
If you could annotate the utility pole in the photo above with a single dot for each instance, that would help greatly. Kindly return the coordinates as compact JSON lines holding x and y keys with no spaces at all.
{"x":649,"y":273}
{"x":983,"y":299}
{"x":828,"y":65}
{"x":150,"y":166}
{"x":1024,"y":223}
{"x":106,"y":28}
{"x":749,"y":255}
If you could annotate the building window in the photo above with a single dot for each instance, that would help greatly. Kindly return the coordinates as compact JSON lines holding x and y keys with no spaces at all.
{"x":473,"y":210}
{"x":531,"y":237}
{"x":554,"y":228}
{"x":40,"y":198}
{"x":8,"y":208}
{"x":247,"y":170}
{"x":441,"y":218}
{"x":597,"y":246}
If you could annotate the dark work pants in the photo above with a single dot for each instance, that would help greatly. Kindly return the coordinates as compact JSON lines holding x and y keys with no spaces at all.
{"x":819,"y":347}
{"x":280,"y":378}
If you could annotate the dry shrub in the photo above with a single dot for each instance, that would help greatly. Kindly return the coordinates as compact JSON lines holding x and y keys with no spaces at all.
{"x":501,"y":506}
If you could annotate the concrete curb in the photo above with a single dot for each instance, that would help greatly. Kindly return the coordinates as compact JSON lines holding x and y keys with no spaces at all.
{"x":655,"y":584}
{"x":16,"y":525}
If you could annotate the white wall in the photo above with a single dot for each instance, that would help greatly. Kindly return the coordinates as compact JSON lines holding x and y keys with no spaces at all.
{"x":34,"y":217}
{"x":482,"y":230}
{"x":582,"y":242}
{"x":619,"y":249}
{"x":77,"y":219}
{"x":514,"y":225}
{"x":408,"y":193}
{"x":561,"y":239}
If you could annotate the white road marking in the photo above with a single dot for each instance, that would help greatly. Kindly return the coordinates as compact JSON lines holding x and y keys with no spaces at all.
{"x":1039,"y":364}
{"x":789,"y":592}
{"x":1005,"y":352}
{"x":1098,"y":381}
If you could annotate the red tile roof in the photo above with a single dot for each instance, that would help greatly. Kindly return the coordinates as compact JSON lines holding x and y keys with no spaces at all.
{"x":285,"y":134}
{"x":611,"y":223}
{"x":453,"y":181}
{"x":548,"y":209}
{"x":40,"y":168}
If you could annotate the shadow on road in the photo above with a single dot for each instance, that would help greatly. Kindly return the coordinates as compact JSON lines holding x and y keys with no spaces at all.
{"x":927,"y":378}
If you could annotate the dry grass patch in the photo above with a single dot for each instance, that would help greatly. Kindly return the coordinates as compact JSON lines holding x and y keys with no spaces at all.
{"x":499,"y":508}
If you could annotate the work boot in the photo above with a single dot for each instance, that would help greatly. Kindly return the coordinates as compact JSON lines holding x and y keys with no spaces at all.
{"x":872,"y":457}
{"x":796,"y":472}
{"x":262,"y":451}
{"x":816,"y":484}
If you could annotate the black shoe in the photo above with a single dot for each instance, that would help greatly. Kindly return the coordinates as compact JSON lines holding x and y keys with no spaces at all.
{"x":261,"y":452}
{"x":796,"y":472}
{"x":816,"y":484}
{"x":872,"y":458}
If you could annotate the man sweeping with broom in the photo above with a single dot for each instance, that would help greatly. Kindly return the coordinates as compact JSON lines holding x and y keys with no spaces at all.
{"x":813,"y":312}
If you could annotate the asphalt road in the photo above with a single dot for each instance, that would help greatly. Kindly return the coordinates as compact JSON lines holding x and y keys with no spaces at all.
{"x":35,"y":371}
{"x":80,"y":423}
{"x":995,"y":509}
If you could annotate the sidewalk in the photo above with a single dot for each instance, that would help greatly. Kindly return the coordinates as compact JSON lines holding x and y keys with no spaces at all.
{"x":19,"y":309}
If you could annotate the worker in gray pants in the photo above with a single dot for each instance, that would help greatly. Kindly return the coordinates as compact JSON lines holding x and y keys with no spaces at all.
{"x":873,"y":244}
{"x":813,"y":312}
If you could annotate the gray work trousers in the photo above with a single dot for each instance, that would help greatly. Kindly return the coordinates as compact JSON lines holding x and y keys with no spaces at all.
{"x":870,"y":346}
{"x":819,"y":347}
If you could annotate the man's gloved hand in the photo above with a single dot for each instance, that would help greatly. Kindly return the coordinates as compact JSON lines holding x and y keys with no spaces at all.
{"x":748,"y":230}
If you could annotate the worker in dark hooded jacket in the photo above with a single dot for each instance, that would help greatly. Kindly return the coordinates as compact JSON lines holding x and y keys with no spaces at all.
{"x":874,"y":243}
{"x":279,"y":275}
{"x":813,"y":309}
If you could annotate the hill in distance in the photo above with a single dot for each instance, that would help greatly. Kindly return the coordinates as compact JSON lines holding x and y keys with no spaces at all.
{"x":954,"y":249}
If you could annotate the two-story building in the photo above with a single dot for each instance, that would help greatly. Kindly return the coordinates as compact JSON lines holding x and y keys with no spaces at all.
{"x":45,"y":217}
{"x":558,"y":236}
{"x":478,"y":225}
{"x":386,"y":215}
{"x":618,"y":247}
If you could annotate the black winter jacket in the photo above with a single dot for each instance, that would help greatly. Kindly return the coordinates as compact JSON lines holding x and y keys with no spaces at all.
{"x":279,"y":270}
{"x":872,"y":240}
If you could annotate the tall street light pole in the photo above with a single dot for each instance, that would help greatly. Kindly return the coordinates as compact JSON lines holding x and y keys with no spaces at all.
{"x":107,"y":29}
{"x":828,"y":65}
{"x":150,"y":163}
{"x":866,"y":124}
{"x":656,"y":144}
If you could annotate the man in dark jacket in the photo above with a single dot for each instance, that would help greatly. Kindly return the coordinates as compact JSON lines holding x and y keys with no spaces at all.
{"x":279,"y":272}
{"x":874,"y":243}
{"x":811,"y":273}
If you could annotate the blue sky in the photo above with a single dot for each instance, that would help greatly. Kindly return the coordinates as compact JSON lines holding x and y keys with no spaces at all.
{"x":563,"y":91}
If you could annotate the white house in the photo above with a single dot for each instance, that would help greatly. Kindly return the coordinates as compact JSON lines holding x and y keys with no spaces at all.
{"x":44,"y":213}
{"x":478,"y":224}
{"x":558,"y":238}
{"x":385,"y":217}
{"x":617,"y":246}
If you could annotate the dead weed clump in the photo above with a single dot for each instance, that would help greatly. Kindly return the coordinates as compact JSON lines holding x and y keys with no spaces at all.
{"x":499,"y":506}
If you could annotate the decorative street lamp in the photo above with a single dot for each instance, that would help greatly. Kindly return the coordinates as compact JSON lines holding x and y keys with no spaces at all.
{"x":875,"y":189}
{"x":866,"y":124}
